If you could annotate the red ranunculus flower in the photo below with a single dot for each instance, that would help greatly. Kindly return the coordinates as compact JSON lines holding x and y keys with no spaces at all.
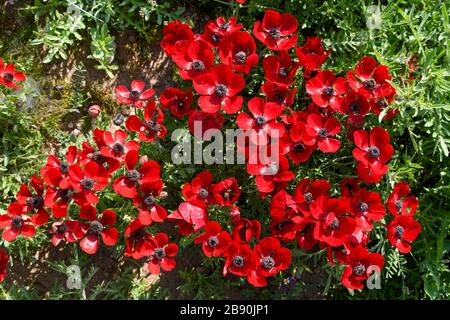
{"x":149,"y":210}
{"x":245,"y":229}
{"x":319,"y":129}
{"x":160,"y":253}
{"x":34,"y":200}
{"x":402,"y":231}
{"x":64,"y":230}
{"x":400,"y":203}
{"x":177,"y":101}
{"x":175,"y":32}
{"x":9,"y":76}
{"x":277,"y":31}
{"x":151,"y":127}
{"x":99,"y":226}
{"x":360,"y":262}
{"x":126,"y":185}
{"x":280,"y":69}
{"x":238,"y":51}
{"x":200,"y":191}
{"x":327,"y":90}
{"x":214,"y":240}
{"x":240,"y":260}
{"x":16,"y":222}
{"x":298,"y":151}
{"x":308,"y":191}
{"x":4,"y":258}
{"x":218,"y":89}
{"x":193,"y":59}
{"x":366,"y":206}
{"x":355,"y":104}
{"x":55,"y":170}
{"x":190,"y":218}
{"x":58,"y":200}
{"x":271,"y":258}
{"x":136,"y":236}
{"x":226,"y":192}
{"x":263,"y":123}
{"x":278,"y":93}
{"x":224,"y":27}
{"x":311,"y":55}
{"x":136,"y":96}
{"x":116,"y":146}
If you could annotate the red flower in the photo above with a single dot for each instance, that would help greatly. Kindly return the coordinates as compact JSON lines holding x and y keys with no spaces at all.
{"x":224,"y":27}
{"x":278,"y":93}
{"x":214,"y":240}
{"x":34,"y":201}
{"x":116,"y":146}
{"x":126,"y":185}
{"x":402,"y":231}
{"x":55,"y":170}
{"x":298,"y":151}
{"x":4,"y":258}
{"x":190,"y":218}
{"x":311,"y":54}
{"x":245,"y":229}
{"x":151,"y":127}
{"x":9,"y":77}
{"x":240,"y":260}
{"x":263,"y":123}
{"x":193,"y":59}
{"x":16,"y":222}
{"x":200,"y":191}
{"x":174,"y":33}
{"x":349,"y":187}
{"x":277,"y":31}
{"x":366,"y":207}
{"x":58,"y":200}
{"x":219,"y":88}
{"x":177,"y":101}
{"x":400,"y":203}
{"x":360,"y":262}
{"x":136,"y":96}
{"x":149,"y":210}
{"x":356,"y":105}
{"x":238,"y":51}
{"x":64,"y":230}
{"x":371,"y":172}
{"x":373,"y":148}
{"x":280,"y":69}
{"x":99,"y":226}
{"x":271,"y":258}
{"x":319,"y":129}
{"x":87,"y":180}
{"x":204,"y":121}
{"x":136,"y":236}
{"x":327,"y":90}
{"x":226,"y":192}
{"x":307,"y":192}
{"x":160,"y":253}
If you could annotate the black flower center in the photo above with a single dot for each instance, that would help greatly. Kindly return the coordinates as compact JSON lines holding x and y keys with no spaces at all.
{"x":359,"y":269}
{"x":198,"y":65}
{"x":153,"y":126}
{"x":96,"y":227}
{"x":36,"y":202}
{"x":308,"y":197}
{"x":398,"y":205}
{"x":328,"y":91}
{"x":260,"y":120}
{"x":133,"y":176}
{"x":323,"y":133}
{"x":280,"y":226}
{"x":334,"y":225}
{"x":354,"y":106}
{"x":267,"y":263}
{"x":238,"y":261}
{"x":203,"y":193}
{"x":64,"y":168}
{"x":374,"y":152}
{"x":213,"y":241}
{"x":118,"y":149}
{"x":149,"y":200}
{"x":282,"y":72}
{"x":65,"y":194}
{"x":17,"y":222}
{"x":370,"y":84}
{"x":240,"y":57}
{"x":138,"y":234}
{"x":215,"y":37}
{"x":118,"y":120}
{"x":135,"y":94}
{"x":275,"y":33}
{"x":179,"y":104}
{"x":362,"y":206}
{"x":225,"y":25}
{"x":8,"y":77}
{"x":98,"y":157}
{"x":399,"y":231}
{"x":159,"y":253}
{"x":299,"y":147}
{"x":61,"y":229}
{"x":87,"y":184}
{"x":221,"y":90}
{"x":381,"y":103}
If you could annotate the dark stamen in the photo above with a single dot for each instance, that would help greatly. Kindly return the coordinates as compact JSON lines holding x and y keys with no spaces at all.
{"x":299,"y":147}
{"x":213,"y":241}
{"x":87,"y":184}
{"x":61,"y":229}
{"x":260,"y":120}
{"x":153,"y":126}
{"x":308,"y":197}
{"x":8,"y":77}
{"x":197,"y":65}
{"x":274,"y":33}
{"x":221,"y":90}
{"x":133,"y":176}
{"x":96,"y":227}
{"x":399,"y":231}
{"x":159,"y":253}
{"x":374,"y":152}
{"x":282,"y":72}
{"x":238,"y":261}
{"x":36,"y":202}
{"x":17,"y":222}
{"x":323,"y":133}
{"x":65,"y":194}
{"x":328,"y":91}
{"x":215,"y":37}
{"x":399,"y":205}
{"x":362,"y":206}
{"x":118,"y":149}
{"x":203,"y":193}
{"x":149,"y":200}
{"x":354,"y":106}
{"x":135,"y":94}
{"x":225,"y":25}
{"x":370,"y":84}
{"x":359,"y":269}
{"x":64,"y":168}
{"x":240,"y":57}
{"x":334,"y":224}
{"x":267,"y":263}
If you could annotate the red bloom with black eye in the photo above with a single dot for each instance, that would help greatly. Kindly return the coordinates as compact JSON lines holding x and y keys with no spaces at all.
{"x":278,"y":93}
{"x":149,"y":210}
{"x":136,"y":96}
{"x":371,"y":78}
{"x":238,"y":50}
{"x":319,"y":129}
{"x":4,"y":258}
{"x":245,"y":229}
{"x":190,"y":218}
{"x":193,"y":59}
{"x":58,"y":200}
{"x":174,"y":33}
{"x":9,"y":76}
{"x":160,"y":254}
{"x":263,"y":124}
{"x":224,"y":27}
{"x":280,"y":69}
{"x":349,"y":187}
{"x":327,"y":90}
{"x":366,"y":207}
{"x":214,"y":240}
{"x":371,"y":172}
{"x":136,"y":236}
{"x":381,"y":100}
{"x":151,"y":127}
{"x":16,"y":222}
{"x":34,"y":200}
{"x":218,"y":89}
{"x":99,"y":227}
{"x":240,"y":260}
{"x":307,"y":192}
{"x":277,"y":31}
{"x":402,"y":231}
{"x":116,"y":146}
{"x":177,"y":101}
{"x":312,"y":54}
{"x":298,"y":150}
{"x":360,"y":262}
{"x":226,"y":192}
{"x":199,"y":122}
{"x":126,"y":185}
{"x":65,"y":230}
{"x":355,"y":105}
{"x":271,"y":258}
{"x":200,"y":191}
{"x":55,"y":170}
{"x":399,"y":203}
{"x":87,"y":180}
